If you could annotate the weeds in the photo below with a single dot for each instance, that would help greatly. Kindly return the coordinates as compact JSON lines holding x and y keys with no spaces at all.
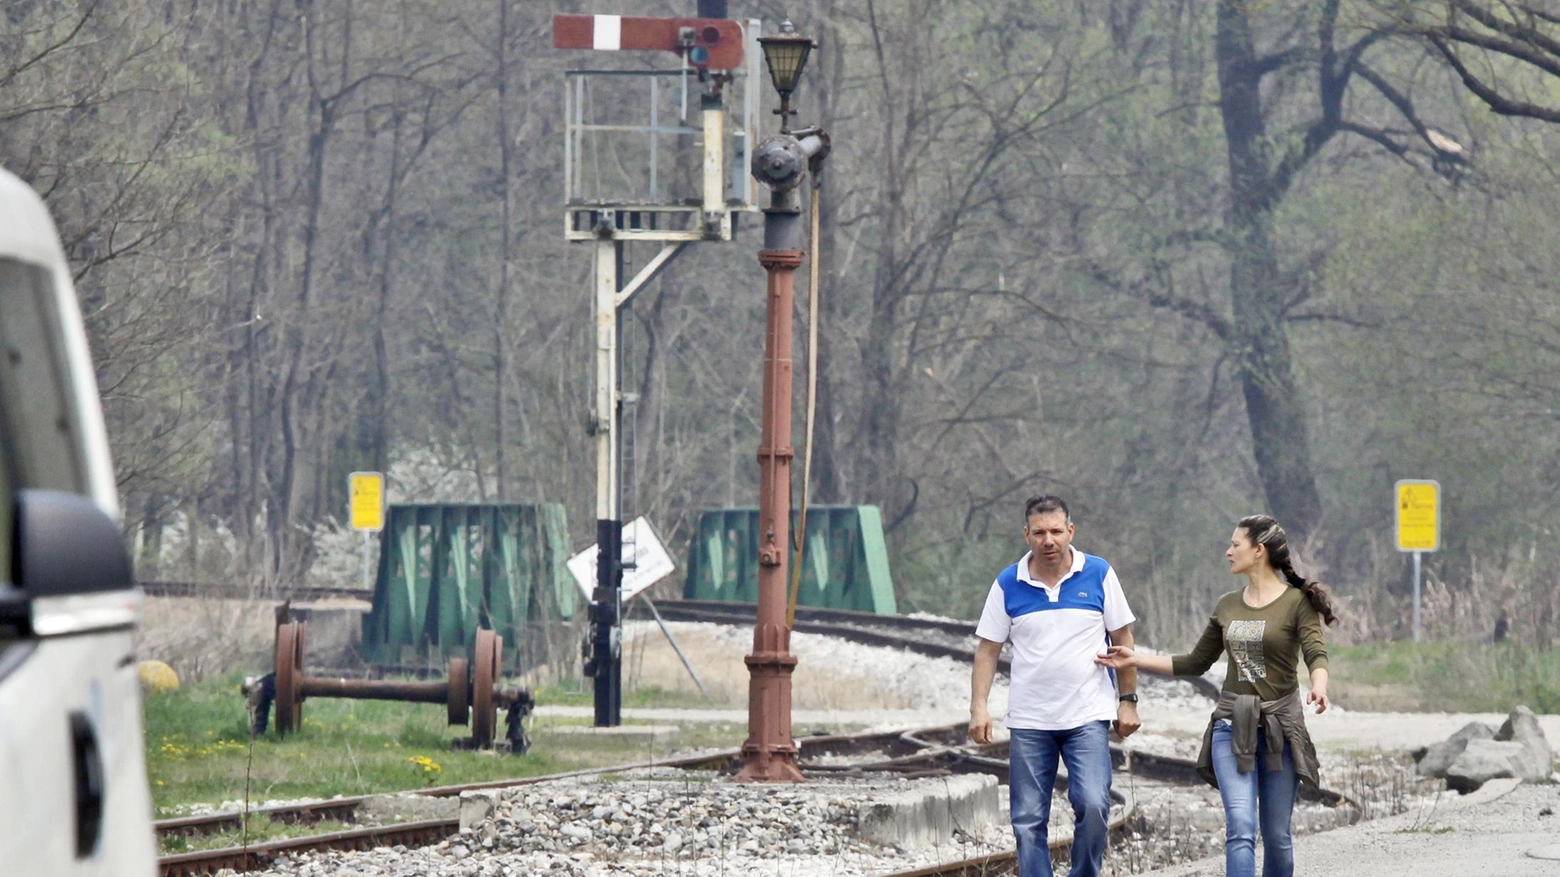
{"x":198,"y":751}
{"x":1457,"y":676}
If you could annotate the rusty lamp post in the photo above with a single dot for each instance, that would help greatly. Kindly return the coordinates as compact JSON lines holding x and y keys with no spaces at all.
{"x":780,"y":162}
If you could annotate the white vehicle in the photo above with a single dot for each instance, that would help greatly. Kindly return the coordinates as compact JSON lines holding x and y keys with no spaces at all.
{"x":73,"y":793}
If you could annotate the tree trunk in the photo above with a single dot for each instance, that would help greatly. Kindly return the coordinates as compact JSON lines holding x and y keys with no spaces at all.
{"x":828,"y":481}
{"x":506,"y":149}
{"x":1274,"y":409}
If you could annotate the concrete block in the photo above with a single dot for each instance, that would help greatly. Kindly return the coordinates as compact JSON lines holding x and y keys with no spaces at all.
{"x":926,"y":811}
{"x":335,"y":629}
{"x":406,"y":807}
{"x":477,"y":807}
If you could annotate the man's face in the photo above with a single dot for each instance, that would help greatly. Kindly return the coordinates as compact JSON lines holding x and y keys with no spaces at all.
{"x":1049,"y":535}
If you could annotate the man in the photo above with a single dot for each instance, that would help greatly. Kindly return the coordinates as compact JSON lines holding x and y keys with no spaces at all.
{"x":1057,"y":606}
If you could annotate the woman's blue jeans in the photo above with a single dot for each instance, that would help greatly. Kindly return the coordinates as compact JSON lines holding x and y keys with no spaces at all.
{"x":1260,"y":798}
{"x":1032,"y":757}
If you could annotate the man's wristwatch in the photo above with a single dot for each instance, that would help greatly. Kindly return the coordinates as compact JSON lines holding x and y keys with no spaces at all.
{"x":1128,"y":698}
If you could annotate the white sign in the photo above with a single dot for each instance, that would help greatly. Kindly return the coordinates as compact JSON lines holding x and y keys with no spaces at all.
{"x":645,"y":561}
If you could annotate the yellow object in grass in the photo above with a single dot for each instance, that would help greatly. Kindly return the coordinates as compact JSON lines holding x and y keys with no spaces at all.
{"x":157,"y":677}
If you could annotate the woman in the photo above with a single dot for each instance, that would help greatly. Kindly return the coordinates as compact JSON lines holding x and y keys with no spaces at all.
{"x":1256,"y":749}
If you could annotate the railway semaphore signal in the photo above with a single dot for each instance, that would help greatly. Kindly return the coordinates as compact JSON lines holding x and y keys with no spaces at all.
{"x":615,"y":210}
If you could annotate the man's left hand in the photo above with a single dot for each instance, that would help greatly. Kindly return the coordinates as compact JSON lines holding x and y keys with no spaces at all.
{"x":1126,"y":720}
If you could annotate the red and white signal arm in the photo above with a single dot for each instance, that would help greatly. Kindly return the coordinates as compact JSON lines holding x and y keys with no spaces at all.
{"x":710,"y":43}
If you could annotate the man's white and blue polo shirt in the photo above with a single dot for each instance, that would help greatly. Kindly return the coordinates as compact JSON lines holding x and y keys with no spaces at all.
{"x":1056,"y":634}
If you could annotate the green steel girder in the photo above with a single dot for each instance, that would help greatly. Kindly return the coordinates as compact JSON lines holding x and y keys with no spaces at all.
{"x":845,"y":567}
{"x":447,"y":570}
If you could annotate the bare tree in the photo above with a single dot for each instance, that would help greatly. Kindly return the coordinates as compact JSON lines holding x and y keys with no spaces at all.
{"x":1503,"y":51}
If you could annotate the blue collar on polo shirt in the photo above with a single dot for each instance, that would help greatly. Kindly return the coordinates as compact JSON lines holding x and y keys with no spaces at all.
{"x":1024,"y":576}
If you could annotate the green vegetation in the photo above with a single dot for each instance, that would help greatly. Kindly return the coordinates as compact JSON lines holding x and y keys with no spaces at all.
{"x":1049,"y":263}
{"x":633,"y":698}
{"x":198,"y":751}
{"x":1450,"y":675}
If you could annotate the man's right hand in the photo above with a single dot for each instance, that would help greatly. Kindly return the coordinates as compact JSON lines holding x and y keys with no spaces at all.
{"x":980,"y":727}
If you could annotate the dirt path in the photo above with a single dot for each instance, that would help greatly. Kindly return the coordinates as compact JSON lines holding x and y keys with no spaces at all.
{"x":1492,"y":831}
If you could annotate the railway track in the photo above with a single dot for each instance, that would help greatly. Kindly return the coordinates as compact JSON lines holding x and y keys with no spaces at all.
{"x":935,"y":638}
{"x":926,"y":752}
{"x":929,"y":751}
{"x":251,"y":592}
{"x":260,"y":855}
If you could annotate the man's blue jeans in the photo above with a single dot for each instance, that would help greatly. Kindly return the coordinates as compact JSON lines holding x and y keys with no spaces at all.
{"x":1032,"y":759}
{"x":1262,"y":797}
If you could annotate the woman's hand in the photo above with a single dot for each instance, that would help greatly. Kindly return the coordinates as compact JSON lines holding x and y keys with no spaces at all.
{"x":1318,"y":692}
{"x":1319,"y":697}
{"x":1117,"y":658}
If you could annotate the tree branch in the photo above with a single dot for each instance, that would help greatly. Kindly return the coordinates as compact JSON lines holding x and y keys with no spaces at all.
{"x":1493,"y":99}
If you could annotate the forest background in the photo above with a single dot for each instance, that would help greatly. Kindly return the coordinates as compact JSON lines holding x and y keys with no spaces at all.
{"x":1176,"y":260}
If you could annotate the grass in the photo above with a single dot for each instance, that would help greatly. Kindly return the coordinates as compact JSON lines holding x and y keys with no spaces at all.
{"x":198,"y":751}
{"x":1450,"y":676}
{"x":259,"y":830}
{"x":640,"y":697}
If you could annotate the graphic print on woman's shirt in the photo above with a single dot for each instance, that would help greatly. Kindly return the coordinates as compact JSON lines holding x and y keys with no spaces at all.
{"x":1244,"y":638}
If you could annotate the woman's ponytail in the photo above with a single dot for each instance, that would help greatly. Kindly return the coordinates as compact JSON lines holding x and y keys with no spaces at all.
{"x":1264,"y":530}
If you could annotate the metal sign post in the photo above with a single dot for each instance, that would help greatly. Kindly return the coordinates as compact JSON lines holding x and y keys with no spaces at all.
{"x":366,"y":510}
{"x":1418,"y":524}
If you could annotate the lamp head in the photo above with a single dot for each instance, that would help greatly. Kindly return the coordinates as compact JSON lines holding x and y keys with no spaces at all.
{"x":786,"y":53}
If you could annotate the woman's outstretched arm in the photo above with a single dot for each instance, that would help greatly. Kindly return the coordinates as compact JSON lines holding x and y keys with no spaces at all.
{"x":1125,"y":657}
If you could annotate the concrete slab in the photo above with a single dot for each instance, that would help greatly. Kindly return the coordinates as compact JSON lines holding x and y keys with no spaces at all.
{"x":335,"y":629}
{"x":642,"y":734}
{"x":405,"y":807}
{"x":1550,"y":853}
{"x":925,"y":811}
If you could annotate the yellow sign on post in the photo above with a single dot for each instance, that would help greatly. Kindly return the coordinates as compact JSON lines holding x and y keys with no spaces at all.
{"x":368,"y":501}
{"x":1418,"y":516}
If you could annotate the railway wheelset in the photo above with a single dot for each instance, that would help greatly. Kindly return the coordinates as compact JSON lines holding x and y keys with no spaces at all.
{"x":471,"y":692}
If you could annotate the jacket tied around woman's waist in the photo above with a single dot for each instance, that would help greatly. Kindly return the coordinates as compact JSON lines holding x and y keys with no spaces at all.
{"x":1281,"y":719}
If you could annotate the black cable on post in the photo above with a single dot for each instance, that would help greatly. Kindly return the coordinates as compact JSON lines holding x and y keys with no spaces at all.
{"x":812,"y":403}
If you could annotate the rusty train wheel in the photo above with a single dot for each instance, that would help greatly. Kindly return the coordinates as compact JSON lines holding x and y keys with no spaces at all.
{"x":298,"y":665}
{"x":287,"y":673}
{"x":484,"y":712}
{"x":459,"y":700}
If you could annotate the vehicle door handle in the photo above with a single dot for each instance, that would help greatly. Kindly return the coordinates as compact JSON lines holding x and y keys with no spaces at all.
{"x":89,"y":784}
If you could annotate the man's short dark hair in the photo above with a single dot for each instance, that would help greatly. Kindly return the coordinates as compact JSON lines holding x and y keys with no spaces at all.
{"x":1045,"y":504}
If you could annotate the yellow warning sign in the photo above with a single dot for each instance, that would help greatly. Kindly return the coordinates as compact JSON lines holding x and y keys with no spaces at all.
{"x":1418,"y":516}
{"x":368,"y":501}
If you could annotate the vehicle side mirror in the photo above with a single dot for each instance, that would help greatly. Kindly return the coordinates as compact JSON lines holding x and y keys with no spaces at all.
{"x":65,"y":544}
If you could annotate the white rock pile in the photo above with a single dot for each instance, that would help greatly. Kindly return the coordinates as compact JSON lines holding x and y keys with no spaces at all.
{"x":660,"y":818}
{"x":1479,"y":753}
{"x":682,"y":824}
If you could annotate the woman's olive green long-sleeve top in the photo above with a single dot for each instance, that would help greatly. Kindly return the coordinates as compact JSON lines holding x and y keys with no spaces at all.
{"x":1264,"y":647}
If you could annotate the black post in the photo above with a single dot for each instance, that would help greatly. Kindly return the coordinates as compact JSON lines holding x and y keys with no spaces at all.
{"x":712,"y":9}
{"x":606,"y":647}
